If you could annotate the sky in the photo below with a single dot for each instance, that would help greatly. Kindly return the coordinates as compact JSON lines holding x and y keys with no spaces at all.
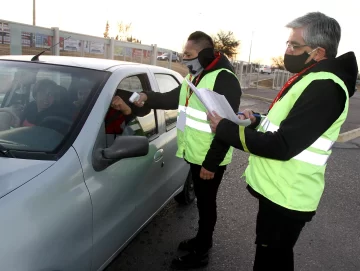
{"x":257,"y":24}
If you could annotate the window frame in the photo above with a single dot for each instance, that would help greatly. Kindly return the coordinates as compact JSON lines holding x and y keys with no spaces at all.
{"x":173,"y":124}
{"x":145,"y":86}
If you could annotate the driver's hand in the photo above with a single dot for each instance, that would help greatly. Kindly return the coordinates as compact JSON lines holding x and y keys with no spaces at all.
{"x":118,"y":104}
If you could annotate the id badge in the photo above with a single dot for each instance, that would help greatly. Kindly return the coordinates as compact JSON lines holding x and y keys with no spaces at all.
{"x":181,"y":122}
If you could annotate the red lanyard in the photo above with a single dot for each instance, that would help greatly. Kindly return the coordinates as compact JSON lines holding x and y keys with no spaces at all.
{"x":288,"y":83}
{"x":189,"y":91}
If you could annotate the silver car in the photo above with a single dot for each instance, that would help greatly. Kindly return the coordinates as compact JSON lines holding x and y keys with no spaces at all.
{"x":76,"y":183}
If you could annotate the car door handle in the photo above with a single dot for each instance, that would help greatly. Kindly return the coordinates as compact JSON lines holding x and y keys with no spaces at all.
{"x":158,"y":155}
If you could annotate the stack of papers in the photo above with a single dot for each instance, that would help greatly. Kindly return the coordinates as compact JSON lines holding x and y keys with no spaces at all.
{"x":215,"y":102}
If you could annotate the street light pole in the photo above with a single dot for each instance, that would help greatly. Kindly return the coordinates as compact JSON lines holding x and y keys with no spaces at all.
{"x":34,"y":12}
{"x":249,"y":65}
{"x":252,"y":34}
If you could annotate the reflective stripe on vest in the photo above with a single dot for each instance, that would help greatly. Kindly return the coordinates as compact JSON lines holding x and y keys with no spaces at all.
{"x":306,"y":155}
{"x":198,"y":125}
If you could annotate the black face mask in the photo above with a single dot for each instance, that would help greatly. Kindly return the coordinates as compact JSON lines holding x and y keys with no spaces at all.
{"x":295,"y":64}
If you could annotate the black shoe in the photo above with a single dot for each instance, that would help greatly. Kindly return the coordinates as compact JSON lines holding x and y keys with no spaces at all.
{"x":189,"y":261}
{"x":191,"y":245}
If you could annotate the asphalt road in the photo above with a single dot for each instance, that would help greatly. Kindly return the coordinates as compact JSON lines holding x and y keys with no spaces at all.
{"x":330,"y":242}
{"x":258,"y":77}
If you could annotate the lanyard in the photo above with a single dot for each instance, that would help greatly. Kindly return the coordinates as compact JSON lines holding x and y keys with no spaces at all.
{"x":288,"y":83}
{"x":189,"y":91}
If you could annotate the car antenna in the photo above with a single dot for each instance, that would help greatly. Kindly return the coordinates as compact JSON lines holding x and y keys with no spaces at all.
{"x":36,"y":57}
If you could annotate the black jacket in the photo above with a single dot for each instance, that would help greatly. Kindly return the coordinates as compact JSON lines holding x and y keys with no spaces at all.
{"x":226,"y":84}
{"x":318,"y":107}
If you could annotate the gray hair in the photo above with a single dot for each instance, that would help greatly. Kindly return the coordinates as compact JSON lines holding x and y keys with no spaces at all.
{"x":319,"y":31}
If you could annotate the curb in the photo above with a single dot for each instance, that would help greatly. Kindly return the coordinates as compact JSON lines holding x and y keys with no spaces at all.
{"x":257,"y":97}
{"x":344,"y":137}
{"x":349,"y":135}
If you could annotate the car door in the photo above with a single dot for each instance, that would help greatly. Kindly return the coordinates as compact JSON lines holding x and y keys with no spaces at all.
{"x":123,"y":193}
{"x":176,"y":168}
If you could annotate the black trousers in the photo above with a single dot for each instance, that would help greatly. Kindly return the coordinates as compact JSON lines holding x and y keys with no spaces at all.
{"x":206,"y":192}
{"x":276,"y":236}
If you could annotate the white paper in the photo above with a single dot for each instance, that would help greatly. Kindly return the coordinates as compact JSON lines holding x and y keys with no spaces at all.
{"x":181,"y":122}
{"x":215,"y":102}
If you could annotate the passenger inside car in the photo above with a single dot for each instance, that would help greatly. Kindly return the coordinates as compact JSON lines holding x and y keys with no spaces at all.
{"x":82,"y":95}
{"x":47,"y":102}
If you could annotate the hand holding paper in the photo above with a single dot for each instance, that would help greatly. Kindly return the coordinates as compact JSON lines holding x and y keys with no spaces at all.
{"x":218,"y":103}
{"x":214,"y":120}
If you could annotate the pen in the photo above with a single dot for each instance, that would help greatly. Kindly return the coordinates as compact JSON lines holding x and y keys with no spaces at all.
{"x":255,"y":115}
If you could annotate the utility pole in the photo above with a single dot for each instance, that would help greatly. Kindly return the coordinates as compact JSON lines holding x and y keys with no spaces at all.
{"x":34,"y":13}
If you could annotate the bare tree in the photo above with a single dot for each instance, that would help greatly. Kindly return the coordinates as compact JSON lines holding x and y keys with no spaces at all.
{"x":278,"y":62}
{"x":226,"y":43}
{"x":124,"y":31}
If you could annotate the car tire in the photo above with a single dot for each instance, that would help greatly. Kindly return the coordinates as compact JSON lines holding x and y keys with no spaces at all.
{"x":186,"y":196}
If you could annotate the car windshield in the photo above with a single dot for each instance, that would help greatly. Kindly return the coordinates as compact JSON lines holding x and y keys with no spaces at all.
{"x":39,"y":103}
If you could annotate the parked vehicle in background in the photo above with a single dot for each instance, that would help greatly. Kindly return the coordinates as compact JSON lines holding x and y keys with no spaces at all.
{"x":263,"y":69}
{"x":166,"y":56}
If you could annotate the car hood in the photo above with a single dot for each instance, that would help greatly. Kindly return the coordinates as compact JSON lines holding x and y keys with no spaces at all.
{"x":16,"y":172}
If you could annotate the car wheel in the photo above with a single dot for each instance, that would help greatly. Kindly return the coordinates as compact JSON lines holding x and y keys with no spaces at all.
{"x":186,"y":196}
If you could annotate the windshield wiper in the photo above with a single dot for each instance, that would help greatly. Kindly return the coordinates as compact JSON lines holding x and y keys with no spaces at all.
{"x":5,"y":152}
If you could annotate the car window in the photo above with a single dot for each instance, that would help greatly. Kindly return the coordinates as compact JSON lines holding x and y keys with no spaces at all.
{"x":41,"y":102}
{"x":142,"y":122}
{"x":166,"y":83}
{"x":132,"y":83}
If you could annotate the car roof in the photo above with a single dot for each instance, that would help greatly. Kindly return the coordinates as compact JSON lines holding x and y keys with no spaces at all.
{"x":83,"y":62}
{"x":89,"y":63}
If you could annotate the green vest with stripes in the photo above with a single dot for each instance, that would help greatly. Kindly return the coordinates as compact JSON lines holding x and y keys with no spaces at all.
{"x":195,"y":141}
{"x":296,"y":184}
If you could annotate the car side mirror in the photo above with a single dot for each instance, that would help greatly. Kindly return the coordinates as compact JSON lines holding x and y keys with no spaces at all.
{"x":123,"y":147}
{"x":126,"y":147}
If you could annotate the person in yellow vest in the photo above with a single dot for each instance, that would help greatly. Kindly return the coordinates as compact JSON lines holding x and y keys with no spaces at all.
{"x":207,"y":157}
{"x":290,"y":146}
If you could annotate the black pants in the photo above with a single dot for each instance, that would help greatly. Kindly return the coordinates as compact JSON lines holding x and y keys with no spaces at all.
{"x":276,"y":236}
{"x":205,"y":192}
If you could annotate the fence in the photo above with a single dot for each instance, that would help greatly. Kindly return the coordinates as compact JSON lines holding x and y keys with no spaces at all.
{"x":22,"y":39}
{"x":280,"y":78}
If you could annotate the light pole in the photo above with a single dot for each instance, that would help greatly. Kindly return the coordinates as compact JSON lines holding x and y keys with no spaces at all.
{"x":249,"y":65}
{"x":34,"y":12}
{"x":252,"y":34}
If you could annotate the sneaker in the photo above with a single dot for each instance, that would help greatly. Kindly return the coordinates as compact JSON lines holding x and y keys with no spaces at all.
{"x":191,"y":245}
{"x":191,"y":260}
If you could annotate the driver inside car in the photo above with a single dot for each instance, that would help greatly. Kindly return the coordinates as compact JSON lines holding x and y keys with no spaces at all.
{"x":121,"y":118}
{"x":46,"y":103}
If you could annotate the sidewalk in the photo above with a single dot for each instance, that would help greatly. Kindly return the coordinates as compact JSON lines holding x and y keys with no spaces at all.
{"x":351,"y":124}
